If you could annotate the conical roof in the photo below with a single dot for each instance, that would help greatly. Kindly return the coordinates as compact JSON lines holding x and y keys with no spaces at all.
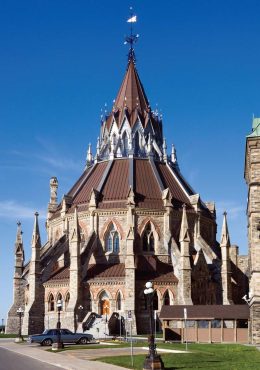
{"x":132,"y":102}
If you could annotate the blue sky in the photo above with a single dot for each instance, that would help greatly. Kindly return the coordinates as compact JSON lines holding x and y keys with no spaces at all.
{"x":61,"y":61}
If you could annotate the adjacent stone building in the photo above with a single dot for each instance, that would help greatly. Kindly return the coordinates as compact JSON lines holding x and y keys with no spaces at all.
{"x":131,"y":217}
{"x":252,"y":176}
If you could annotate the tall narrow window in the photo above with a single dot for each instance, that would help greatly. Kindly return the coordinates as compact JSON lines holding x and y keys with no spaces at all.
{"x":119,"y":302}
{"x":155,"y":301}
{"x":51,"y":303}
{"x":67,"y":299}
{"x":125,"y":144}
{"x":148,"y":239}
{"x":112,"y":240}
{"x":166,"y":298}
{"x":136,"y":143}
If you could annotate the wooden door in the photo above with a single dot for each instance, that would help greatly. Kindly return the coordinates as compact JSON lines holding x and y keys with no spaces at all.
{"x":105,"y":307}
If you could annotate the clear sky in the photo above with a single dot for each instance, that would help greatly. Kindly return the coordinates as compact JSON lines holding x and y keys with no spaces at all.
{"x":61,"y":61}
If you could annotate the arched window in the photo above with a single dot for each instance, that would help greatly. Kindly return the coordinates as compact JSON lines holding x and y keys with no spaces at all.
{"x":59,"y":298}
{"x":51,"y":303}
{"x":67,"y":299}
{"x":148,"y":239}
{"x":166,"y":298}
{"x":112,"y":240}
{"x":82,"y":237}
{"x":125,"y":144}
{"x":119,"y":302}
{"x":155,"y":301}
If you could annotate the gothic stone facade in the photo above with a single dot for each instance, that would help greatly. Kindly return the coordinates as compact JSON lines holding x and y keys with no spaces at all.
{"x":252,"y":176}
{"x":130,"y":218}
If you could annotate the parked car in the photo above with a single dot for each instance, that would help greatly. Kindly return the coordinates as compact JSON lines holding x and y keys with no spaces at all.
{"x":49,"y":336}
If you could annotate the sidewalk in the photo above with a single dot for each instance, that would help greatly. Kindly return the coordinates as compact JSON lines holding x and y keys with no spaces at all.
{"x":57,"y":359}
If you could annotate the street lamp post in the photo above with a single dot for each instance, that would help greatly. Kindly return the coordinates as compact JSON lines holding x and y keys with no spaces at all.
{"x":3,"y":326}
{"x":78,"y":317}
{"x":152,"y":360}
{"x":58,"y":345}
{"x":20,"y":314}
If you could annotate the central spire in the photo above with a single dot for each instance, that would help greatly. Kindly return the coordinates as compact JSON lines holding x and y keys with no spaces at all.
{"x":131,"y":129}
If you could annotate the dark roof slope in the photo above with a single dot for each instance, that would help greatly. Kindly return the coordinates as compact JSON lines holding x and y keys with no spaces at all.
{"x":206,"y":312}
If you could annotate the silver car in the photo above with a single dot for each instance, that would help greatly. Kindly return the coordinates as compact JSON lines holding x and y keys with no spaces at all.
{"x":50,"y":336}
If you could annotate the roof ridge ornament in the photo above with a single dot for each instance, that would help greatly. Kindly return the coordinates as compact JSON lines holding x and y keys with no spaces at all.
{"x":132,"y":38}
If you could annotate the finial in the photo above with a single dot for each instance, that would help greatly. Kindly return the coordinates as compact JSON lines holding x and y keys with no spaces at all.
{"x":132,"y":38}
{"x":173,"y":155}
{"x":89,"y":154}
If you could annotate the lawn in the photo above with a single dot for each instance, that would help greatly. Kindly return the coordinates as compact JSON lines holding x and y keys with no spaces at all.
{"x":203,"y":356}
{"x":8,"y":335}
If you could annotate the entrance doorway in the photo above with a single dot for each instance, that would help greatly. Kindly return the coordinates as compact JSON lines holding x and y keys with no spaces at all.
{"x":105,"y":307}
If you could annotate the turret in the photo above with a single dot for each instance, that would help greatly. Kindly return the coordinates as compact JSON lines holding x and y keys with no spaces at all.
{"x":184,"y":285}
{"x":19,"y":251}
{"x":34,"y":308}
{"x":52,"y":206}
{"x":75,"y":271}
{"x":225,"y":267}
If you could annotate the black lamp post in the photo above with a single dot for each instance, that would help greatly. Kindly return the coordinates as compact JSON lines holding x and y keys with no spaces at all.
{"x":20,"y":314}
{"x":152,"y":360}
{"x":58,"y":345}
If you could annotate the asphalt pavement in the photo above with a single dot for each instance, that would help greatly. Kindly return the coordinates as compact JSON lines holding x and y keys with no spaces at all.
{"x":14,"y":361}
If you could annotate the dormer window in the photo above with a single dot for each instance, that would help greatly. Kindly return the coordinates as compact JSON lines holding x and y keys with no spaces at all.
{"x":112,"y":240}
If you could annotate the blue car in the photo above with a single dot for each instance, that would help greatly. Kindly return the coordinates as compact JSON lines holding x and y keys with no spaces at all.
{"x":50,"y":336}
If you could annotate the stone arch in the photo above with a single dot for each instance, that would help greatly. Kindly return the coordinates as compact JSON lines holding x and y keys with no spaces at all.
{"x":149,"y":237}
{"x":169,"y":295}
{"x":104,"y":302}
{"x":154,"y":224}
{"x":106,"y":226}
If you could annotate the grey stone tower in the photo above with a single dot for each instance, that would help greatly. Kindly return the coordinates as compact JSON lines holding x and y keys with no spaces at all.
{"x":18,"y":289}
{"x":252,"y":176}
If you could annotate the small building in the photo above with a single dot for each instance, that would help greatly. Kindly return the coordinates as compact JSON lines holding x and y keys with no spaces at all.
{"x":206,"y":323}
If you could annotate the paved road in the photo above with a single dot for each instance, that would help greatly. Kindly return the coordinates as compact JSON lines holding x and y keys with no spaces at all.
{"x":13,"y":361}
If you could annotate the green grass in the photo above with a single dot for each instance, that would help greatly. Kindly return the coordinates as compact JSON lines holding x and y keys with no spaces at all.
{"x":8,"y":335}
{"x":203,"y":357}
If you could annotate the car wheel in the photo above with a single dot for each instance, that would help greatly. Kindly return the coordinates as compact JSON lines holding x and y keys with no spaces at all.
{"x":83,"y":340}
{"x":47,"y":342}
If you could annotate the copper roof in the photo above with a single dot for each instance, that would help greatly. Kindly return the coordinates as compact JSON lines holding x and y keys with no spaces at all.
{"x":170,"y":182}
{"x":205,"y":312}
{"x":117,"y":185}
{"x":113,"y":179}
{"x":92,"y":181}
{"x":148,"y":193}
{"x":151,"y":268}
{"x":105,"y":271}
{"x":61,"y":275}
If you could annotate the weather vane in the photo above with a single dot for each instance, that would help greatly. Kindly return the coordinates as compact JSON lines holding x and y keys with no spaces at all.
{"x":132,"y":38}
